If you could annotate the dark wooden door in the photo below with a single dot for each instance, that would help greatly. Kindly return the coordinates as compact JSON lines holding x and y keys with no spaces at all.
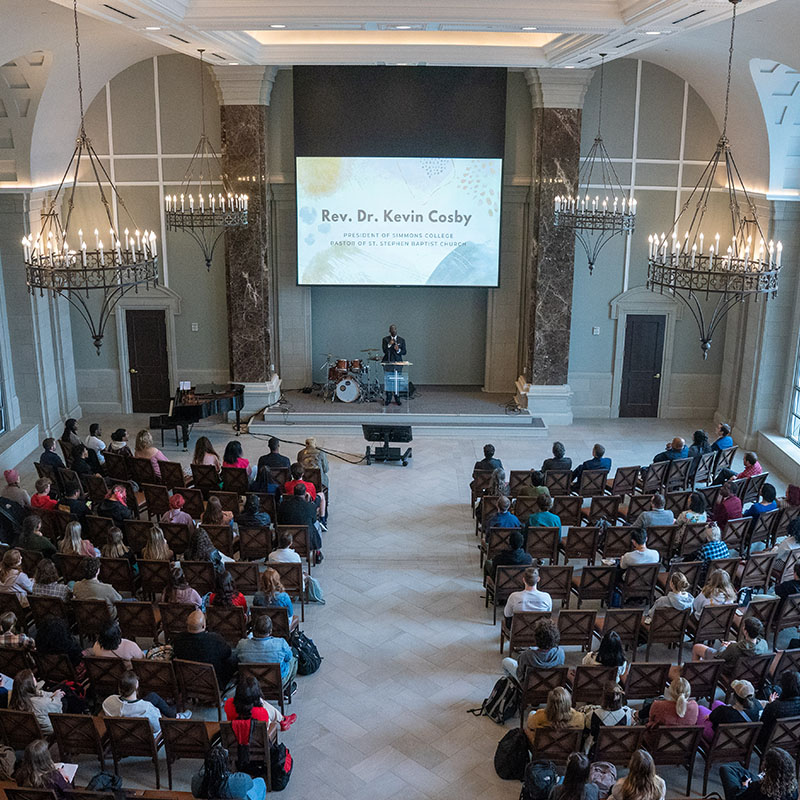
{"x":641,"y":367}
{"x":147,"y":361}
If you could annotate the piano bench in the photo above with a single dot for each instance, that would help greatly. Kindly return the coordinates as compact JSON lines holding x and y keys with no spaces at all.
{"x":163,"y":422}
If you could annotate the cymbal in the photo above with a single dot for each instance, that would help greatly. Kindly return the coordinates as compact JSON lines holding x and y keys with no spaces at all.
{"x":371,"y":350}
{"x":327,"y":355}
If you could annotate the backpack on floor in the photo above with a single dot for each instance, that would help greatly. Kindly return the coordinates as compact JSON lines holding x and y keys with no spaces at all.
{"x":603,"y":774}
{"x":304,"y":649}
{"x":502,"y":703}
{"x":539,"y":781}
{"x":280,"y":767}
{"x":511,"y":755}
{"x":314,"y":591}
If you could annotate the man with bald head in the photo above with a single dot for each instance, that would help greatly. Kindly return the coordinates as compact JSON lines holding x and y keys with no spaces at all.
{"x":198,"y":644}
{"x":674,"y":450}
{"x":394,"y":349}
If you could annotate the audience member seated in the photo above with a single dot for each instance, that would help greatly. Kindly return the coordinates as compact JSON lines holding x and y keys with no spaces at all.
{"x":544,"y":517}
{"x":499,"y":486}
{"x":179,"y":590}
{"x":110,"y":644}
{"x":558,"y":713}
{"x":272,"y":593}
{"x":677,"y":708}
{"x":264,"y":648}
{"x":115,"y":505}
{"x":674,"y":450}
{"x":12,"y":578}
{"x":225,"y":593}
{"x":233,"y":456}
{"x":696,"y":512}
{"x":612,"y":711}
{"x":785,"y":703}
{"x":200,"y":548}
{"x":70,"y":435}
{"x":298,"y":479}
{"x":119,"y":443}
{"x":27,"y":696}
{"x":751,"y":466}
{"x":274,"y":459}
{"x":215,"y":780}
{"x":751,"y":642}
{"x":488,"y":463}
{"x":267,"y":483}
{"x":252,"y":516}
{"x":728,"y":507}
{"x":115,"y":547}
{"x":72,"y":502}
{"x":46,"y":581}
{"x":81,"y":461}
{"x":37,"y":771}
{"x":503,"y":518}
{"x":146,"y":449}
{"x":677,"y":597}
{"x":53,"y":637}
{"x":766,"y":502}
{"x":198,"y":644}
{"x":13,"y":491}
{"x":128,"y":705}
{"x":42,"y":501}
{"x":529,"y":599}
{"x":311,"y":457}
{"x":576,"y":785}
{"x":248,"y":703}
{"x":609,"y":653}
{"x":641,"y":782}
{"x":657,"y":515}
{"x":94,"y":443}
{"x":49,"y":456}
{"x":283,"y":553}
{"x":597,"y":461}
{"x":176,"y":514}
{"x":74,"y":545}
{"x":559,"y":462}
{"x":92,"y":588}
{"x":742,"y":707}
{"x":205,"y":454}
{"x":298,"y":509}
{"x":214,"y":514}
{"x":724,"y":440}
{"x":515,"y":555}
{"x":783,"y":550}
{"x":717,"y":591}
{"x":156,"y":548}
{"x":546,"y":654}
{"x":639,"y":553}
{"x":713,"y":548}
{"x":32,"y":537}
{"x":792,"y":586}
{"x":535,"y":487}
{"x":777,"y":781}
{"x":698,"y":447}
{"x":10,"y":635}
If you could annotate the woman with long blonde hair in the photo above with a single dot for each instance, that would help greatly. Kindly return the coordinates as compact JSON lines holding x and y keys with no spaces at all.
{"x":74,"y":544}
{"x":718,"y":591}
{"x":677,"y":708}
{"x":146,"y":449}
{"x":641,"y":782}
{"x":156,"y":548}
{"x":558,"y":713}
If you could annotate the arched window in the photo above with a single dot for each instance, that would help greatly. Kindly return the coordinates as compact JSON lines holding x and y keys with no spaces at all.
{"x":793,"y":431}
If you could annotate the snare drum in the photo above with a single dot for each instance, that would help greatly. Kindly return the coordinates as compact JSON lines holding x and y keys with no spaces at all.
{"x":348,"y":391}
{"x":356,"y":365}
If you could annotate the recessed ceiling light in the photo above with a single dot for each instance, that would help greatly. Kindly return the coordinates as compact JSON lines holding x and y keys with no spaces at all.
{"x":233,"y":63}
{"x":277,"y":26}
{"x":152,"y":28}
{"x":570,"y":66}
{"x":652,"y":33}
{"x":529,"y":28}
{"x":402,"y":27}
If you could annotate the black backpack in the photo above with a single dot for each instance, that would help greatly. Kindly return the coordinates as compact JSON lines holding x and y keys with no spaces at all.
{"x":539,"y":781}
{"x":304,"y":649}
{"x":511,"y":755}
{"x":280,"y":767}
{"x":502,"y":703}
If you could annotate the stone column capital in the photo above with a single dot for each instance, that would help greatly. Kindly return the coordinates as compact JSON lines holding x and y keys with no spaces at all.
{"x":245,"y":85}
{"x":558,"y":88}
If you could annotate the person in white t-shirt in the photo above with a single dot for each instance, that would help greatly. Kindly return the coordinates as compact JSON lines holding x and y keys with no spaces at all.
{"x":94,"y":442}
{"x":151,"y":707}
{"x":530,"y":598}
{"x":641,"y":553}
{"x":283,"y":553}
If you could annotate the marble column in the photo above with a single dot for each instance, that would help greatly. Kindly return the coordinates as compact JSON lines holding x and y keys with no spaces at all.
{"x":557,"y":98}
{"x":245,"y":93}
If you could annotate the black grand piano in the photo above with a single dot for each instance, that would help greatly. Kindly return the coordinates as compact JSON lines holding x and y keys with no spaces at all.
{"x":191,"y":405}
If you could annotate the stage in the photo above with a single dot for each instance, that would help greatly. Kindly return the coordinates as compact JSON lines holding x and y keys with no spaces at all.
{"x":432,"y":410}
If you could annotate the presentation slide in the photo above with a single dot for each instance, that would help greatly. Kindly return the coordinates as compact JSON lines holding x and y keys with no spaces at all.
{"x":398,"y":221}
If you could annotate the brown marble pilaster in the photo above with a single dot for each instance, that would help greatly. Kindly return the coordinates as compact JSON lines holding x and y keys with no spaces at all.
{"x":244,"y":147}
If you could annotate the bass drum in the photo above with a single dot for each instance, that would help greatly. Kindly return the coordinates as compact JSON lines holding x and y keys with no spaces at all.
{"x":348,"y":391}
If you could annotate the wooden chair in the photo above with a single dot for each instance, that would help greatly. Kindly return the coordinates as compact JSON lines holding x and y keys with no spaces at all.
{"x":786,"y":734}
{"x":558,"y":481}
{"x":594,"y":583}
{"x":536,"y":684}
{"x":520,"y":633}
{"x":592,"y":482}
{"x":137,"y":619}
{"x":662,"y":539}
{"x":557,"y":582}
{"x":715,"y":623}
{"x":142,"y":471}
{"x":97,"y":529}
{"x":577,"y":627}
{"x":221,"y":537}
{"x":627,"y":622}
{"x":691,"y":539}
{"x":524,"y":506}
{"x":764,"y":527}
{"x":173,"y":618}
{"x":581,"y":543}
{"x":788,"y":513}
{"x":235,"y":479}
{"x":668,"y":627}
{"x":68,"y":477}
{"x":602,"y":507}
{"x":116,"y":466}
{"x":136,"y":533}
{"x":556,"y":744}
{"x":294,"y":583}
{"x":18,"y":728}
{"x":131,"y":736}
{"x":676,"y":745}
{"x":186,"y":738}
{"x":104,"y":674}
{"x":282,"y":625}
{"x":518,"y":479}
{"x":230,"y":622}
{"x":245,"y":576}
{"x":480,"y":485}
{"x":256,"y":543}
{"x":261,"y":737}
{"x":638,"y":583}
{"x":283,"y":475}
{"x":300,"y":544}
{"x":198,"y":681}
{"x":178,"y":535}
{"x":636,"y":505}
{"x":134,"y":499}
{"x":703,"y":677}
{"x":91,"y":616}
{"x":157,"y":497}
{"x":646,"y":680}
{"x":268,"y":503}
{"x":172,"y":474}
{"x":704,"y":473}
{"x":725,"y":459}
{"x":757,"y":572}
{"x":677,"y":502}
{"x":616,"y":744}
{"x":790,"y":659}
{"x":495,"y":541}
{"x":730,"y":565}
{"x":269,"y":678}
{"x":205,"y":478}
{"x":69,"y":566}
{"x":119,"y":573}
{"x":738,"y":486}
{"x":653,"y":477}
{"x":616,"y":541}
{"x":710,"y":493}
{"x":194,"y":505}
{"x":752,"y":490}
{"x":154,"y":577}
{"x":789,"y":617}
{"x":96,"y":488}
{"x":588,"y":682}
{"x":542,"y":543}
{"x":567,"y":508}
{"x":732,"y":743}
{"x":747,"y":668}
{"x":54,"y":668}
{"x":14,"y":660}
{"x":486,"y":510}
{"x":200,"y":575}
{"x":679,"y":475}
{"x":692,"y":570}
{"x":29,"y":794}
{"x":624,"y":481}
{"x":157,"y":676}
{"x":78,"y":735}
{"x":42,"y":606}
{"x":230,"y":501}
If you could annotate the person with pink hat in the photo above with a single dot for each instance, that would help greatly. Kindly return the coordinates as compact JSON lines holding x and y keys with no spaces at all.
{"x":13,"y":491}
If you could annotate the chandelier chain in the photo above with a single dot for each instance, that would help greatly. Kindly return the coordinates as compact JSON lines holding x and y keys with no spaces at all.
{"x":202,"y":95}
{"x":730,"y":70}
{"x":602,"y":77}
{"x":78,"y":53}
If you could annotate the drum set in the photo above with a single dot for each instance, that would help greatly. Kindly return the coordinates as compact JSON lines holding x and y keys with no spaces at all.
{"x":348,"y":380}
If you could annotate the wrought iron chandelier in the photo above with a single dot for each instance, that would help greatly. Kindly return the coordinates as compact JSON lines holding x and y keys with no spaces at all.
{"x":207,"y":218}
{"x":732,"y":267}
{"x":596,"y":220}
{"x":130,"y":261}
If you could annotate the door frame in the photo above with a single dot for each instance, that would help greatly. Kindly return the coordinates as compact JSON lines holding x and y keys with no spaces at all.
{"x":640,"y":300}
{"x":163,"y":299}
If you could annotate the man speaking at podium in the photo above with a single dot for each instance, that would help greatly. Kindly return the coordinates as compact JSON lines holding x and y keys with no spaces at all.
{"x":394,"y":349}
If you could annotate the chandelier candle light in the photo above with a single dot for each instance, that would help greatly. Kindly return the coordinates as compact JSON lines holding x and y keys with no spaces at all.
{"x":199,"y":209}
{"x":733,"y":267}
{"x":595,"y":218}
{"x":80,"y":270}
